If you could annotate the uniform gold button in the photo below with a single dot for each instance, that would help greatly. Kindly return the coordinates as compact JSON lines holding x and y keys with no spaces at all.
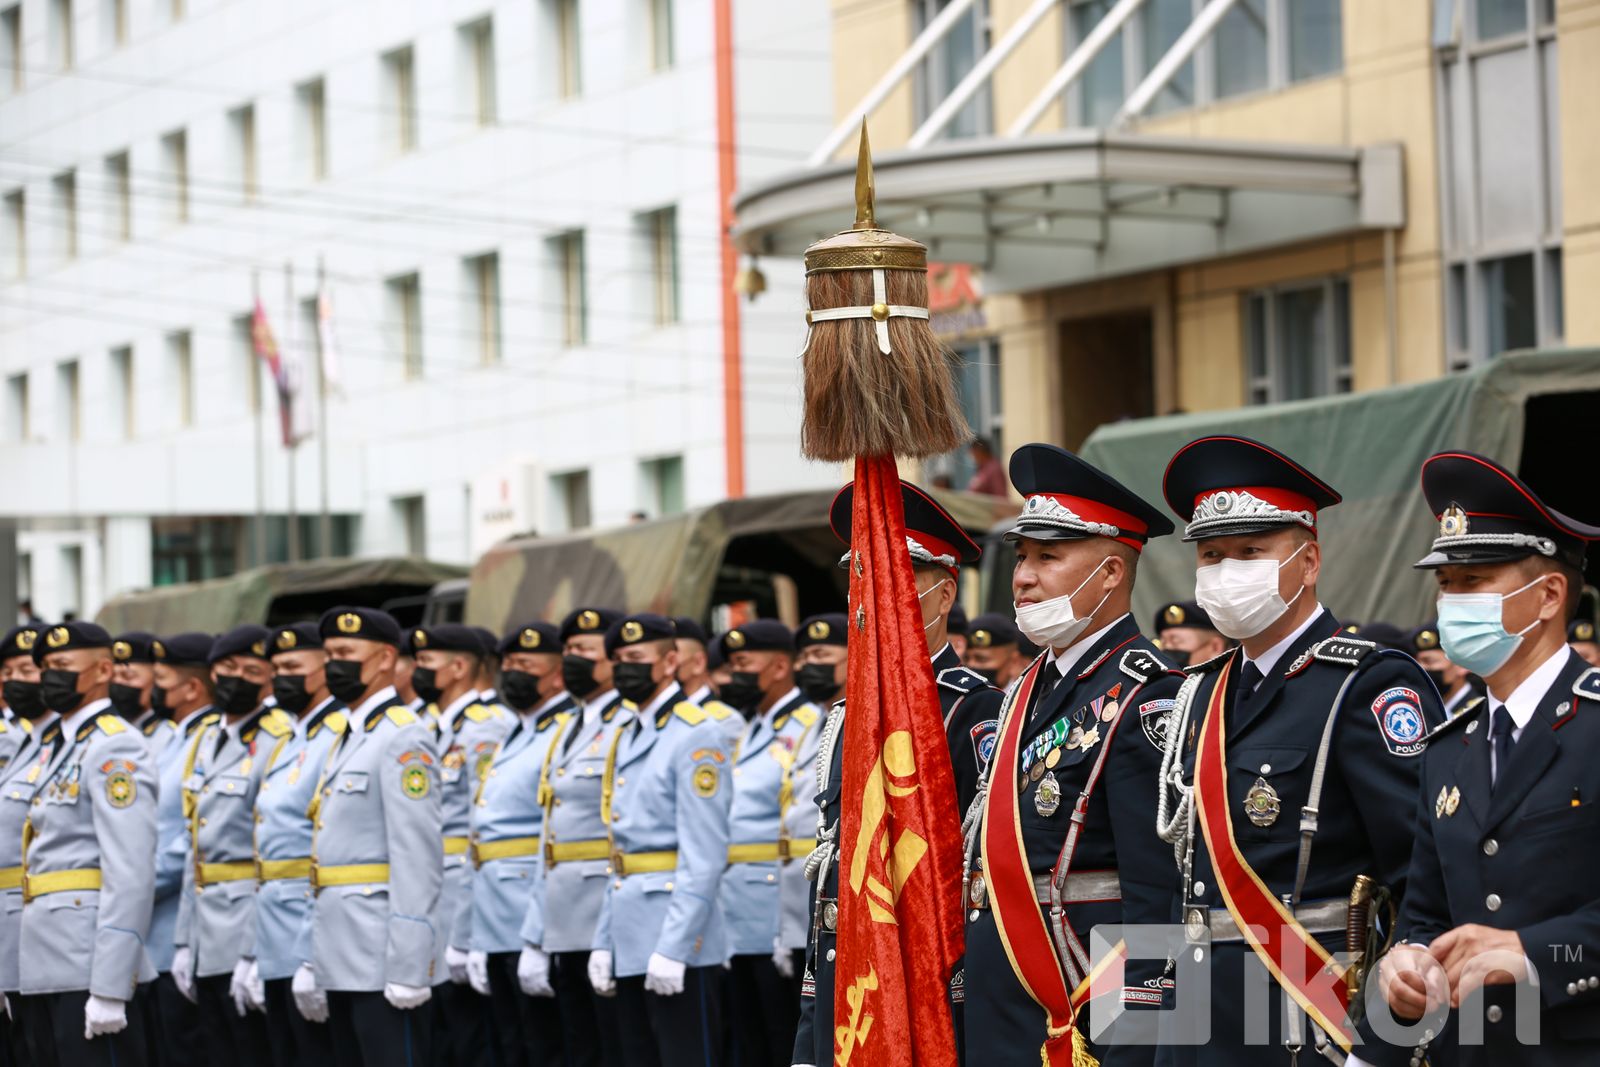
{"x":669,"y":887}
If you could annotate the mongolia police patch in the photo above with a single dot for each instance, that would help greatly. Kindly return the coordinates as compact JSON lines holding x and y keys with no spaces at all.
{"x":983,"y":739}
{"x":1399,"y":715}
{"x":1155,"y":719}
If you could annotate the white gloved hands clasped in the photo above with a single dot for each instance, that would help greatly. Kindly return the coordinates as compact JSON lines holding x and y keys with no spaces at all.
{"x":255,"y":990}
{"x":478,"y":972}
{"x":236,"y":987}
{"x":456,"y":960}
{"x":662,"y":976}
{"x":533,"y":972}
{"x":183,"y":972}
{"x":311,"y":1001}
{"x":406,"y":997}
{"x":600,"y":973}
{"x":782,"y":959}
{"x":102,"y":1015}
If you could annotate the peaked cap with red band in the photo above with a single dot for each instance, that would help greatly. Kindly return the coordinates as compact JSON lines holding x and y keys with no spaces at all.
{"x":933,"y":538}
{"x":1489,"y":515}
{"x":1066,"y":499}
{"x":1224,"y":485}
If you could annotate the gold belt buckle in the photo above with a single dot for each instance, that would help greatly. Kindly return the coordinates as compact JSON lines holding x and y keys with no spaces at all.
{"x":616,"y":859}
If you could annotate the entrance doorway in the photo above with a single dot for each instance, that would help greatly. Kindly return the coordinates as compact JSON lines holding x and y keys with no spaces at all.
{"x":1107,"y":372}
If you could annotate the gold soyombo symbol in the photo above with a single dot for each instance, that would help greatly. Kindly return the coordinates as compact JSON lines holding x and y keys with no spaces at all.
{"x":894,"y":775}
{"x":854,"y":1033}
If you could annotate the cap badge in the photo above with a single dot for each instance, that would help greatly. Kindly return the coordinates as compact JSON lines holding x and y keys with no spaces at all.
{"x":529,"y":638}
{"x":818,"y":631}
{"x":259,"y":648}
{"x":419,"y":639}
{"x":588,"y":620}
{"x":632,"y":630}
{"x":57,"y":637}
{"x":157,"y":647}
{"x":1453,"y":523}
{"x":1173,"y":614}
{"x":1427,"y":639}
{"x":286,"y":640}
{"x":735,"y":639}
{"x":1584,"y":631}
{"x":348,"y":623}
{"x":982,"y":639}
{"x":121,"y":651}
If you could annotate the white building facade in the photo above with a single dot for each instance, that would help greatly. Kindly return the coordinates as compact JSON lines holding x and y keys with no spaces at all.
{"x":516,"y":211}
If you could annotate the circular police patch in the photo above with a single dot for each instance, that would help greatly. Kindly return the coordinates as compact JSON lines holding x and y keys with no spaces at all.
{"x":120,"y":789}
{"x":705,"y":781}
{"x":1400,"y":721}
{"x":414,"y":782}
{"x":984,"y":736}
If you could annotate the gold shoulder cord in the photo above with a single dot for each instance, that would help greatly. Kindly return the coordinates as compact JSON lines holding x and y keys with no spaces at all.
{"x":547,"y":792}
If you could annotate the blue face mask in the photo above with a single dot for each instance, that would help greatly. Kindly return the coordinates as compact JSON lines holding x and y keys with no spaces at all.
{"x":1472,"y":629}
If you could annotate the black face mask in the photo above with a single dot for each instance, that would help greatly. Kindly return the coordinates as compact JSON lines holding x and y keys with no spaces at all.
{"x":578,"y":673}
{"x":235,"y":696}
{"x":743,"y":691}
{"x":24,"y":698}
{"x":60,"y":690}
{"x":990,"y":675}
{"x":291,"y":693}
{"x":520,"y":689}
{"x":424,"y":681}
{"x":158,"y":701}
{"x":1437,"y":677}
{"x":344,"y":680}
{"x":816,"y":681}
{"x":127,"y":700}
{"x":635,"y":681}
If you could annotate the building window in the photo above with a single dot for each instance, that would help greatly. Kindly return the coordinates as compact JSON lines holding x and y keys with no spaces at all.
{"x":948,"y":63}
{"x":180,"y":356}
{"x":16,"y":221}
{"x":567,"y":254}
{"x":60,"y":28}
{"x":123,"y":407}
{"x":661,"y":486}
{"x":483,"y":305}
{"x":242,"y":134}
{"x":18,"y":428}
{"x":404,"y":297}
{"x":114,"y":23}
{"x":120,"y":179}
{"x":11,"y":49}
{"x":477,"y":41}
{"x":569,"y":494}
{"x":1298,"y":341}
{"x":175,"y":162}
{"x":64,"y":189}
{"x":411,"y":524}
{"x":400,"y":75}
{"x":1240,"y":46}
{"x":1510,"y":308}
{"x":569,"y":65}
{"x":248,"y":377}
{"x":977,"y":374}
{"x":71,"y":575}
{"x":1500,"y":18}
{"x":661,"y":51}
{"x":660,"y":230}
{"x":1161,"y":22}
{"x":69,"y":401}
{"x":311,"y":108}
{"x":1316,"y":38}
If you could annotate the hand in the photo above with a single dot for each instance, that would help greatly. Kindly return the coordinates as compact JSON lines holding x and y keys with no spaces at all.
{"x":782,"y":959}
{"x":533,"y":973}
{"x":236,"y":990}
{"x":662,"y":976}
{"x":456,"y":960}
{"x":406,"y":997}
{"x":255,"y":989}
{"x":1412,"y":982}
{"x":101,"y":1015}
{"x":183,"y":973}
{"x":1474,"y":956}
{"x":478,"y":971}
{"x":311,"y":1001}
{"x":600,"y":973}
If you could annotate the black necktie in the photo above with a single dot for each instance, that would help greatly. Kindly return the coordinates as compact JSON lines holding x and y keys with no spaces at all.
{"x":1049,"y":675}
{"x":1500,"y":728}
{"x":1249,"y":680}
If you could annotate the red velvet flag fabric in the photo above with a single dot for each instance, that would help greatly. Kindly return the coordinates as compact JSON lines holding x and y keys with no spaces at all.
{"x":900,"y":922}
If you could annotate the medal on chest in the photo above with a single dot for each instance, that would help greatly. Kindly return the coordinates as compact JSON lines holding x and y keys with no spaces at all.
{"x":1047,"y":797}
{"x":1261,"y":803}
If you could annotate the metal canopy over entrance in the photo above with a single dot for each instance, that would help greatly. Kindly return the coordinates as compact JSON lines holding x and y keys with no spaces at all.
{"x":1056,"y":209}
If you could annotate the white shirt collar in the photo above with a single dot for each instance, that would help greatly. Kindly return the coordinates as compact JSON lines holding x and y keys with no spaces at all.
{"x":300,"y":724}
{"x":458,"y":703}
{"x":70,"y":724}
{"x":547,"y":705}
{"x":1067,"y":659}
{"x":358,"y":715}
{"x":772,"y":712}
{"x":1269,"y":659}
{"x":699,"y":696}
{"x":647,"y":714}
{"x":1524,"y":699}
{"x":595,"y":705}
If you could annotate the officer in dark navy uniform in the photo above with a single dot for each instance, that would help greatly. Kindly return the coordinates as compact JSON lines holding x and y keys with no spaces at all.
{"x":1185,"y":633}
{"x":938,"y":547}
{"x":996,"y":649}
{"x":1270,"y":721}
{"x":1581,"y":636}
{"x":1086,"y":719}
{"x":1503,"y":875}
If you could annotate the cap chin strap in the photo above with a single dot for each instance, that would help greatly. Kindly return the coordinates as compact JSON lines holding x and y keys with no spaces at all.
{"x":880,"y":309}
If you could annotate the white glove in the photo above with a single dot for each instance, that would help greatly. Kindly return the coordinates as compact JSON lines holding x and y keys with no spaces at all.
{"x":236,"y":990}
{"x":782,"y":959}
{"x":183,"y":972}
{"x":456,"y":960}
{"x":406,"y":997}
{"x":312,"y":1002}
{"x":533,"y":972}
{"x":662,"y":976}
{"x":102,"y":1015}
{"x":255,"y":990}
{"x":478,"y":971}
{"x":600,"y":973}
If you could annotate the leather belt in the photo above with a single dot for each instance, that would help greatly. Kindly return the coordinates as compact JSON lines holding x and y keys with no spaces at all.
{"x":574,"y":851}
{"x":769,"y":851}
{"x":348,"y":874}
{"x":626,"y":863}
{"x":214,"y":873}
{"x":38,"y":885}
{"x":1083,"y":887}
{"x":10,"y":877}
{"x":505,"y":848}
{"x":282,"y":870}
{"x":456,"y":846}
{"x":1324,"y":917}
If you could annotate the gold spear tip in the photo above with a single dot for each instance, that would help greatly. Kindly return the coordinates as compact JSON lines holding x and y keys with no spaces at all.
{"x":865,"y":193}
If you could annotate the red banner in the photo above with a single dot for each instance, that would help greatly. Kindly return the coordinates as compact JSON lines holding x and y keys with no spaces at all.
{"x":900,"y":920}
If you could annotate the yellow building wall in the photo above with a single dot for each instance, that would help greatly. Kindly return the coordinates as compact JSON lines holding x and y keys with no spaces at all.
{"x":1578,"y":27}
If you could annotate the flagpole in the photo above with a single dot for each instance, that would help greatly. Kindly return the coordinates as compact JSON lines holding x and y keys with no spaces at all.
{"x":325,"y":519}
{"x":285,"y":359}
{"x":261,"y":448}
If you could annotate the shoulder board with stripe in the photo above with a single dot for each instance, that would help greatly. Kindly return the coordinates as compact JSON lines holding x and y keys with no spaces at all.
{"x":400,"y":715}
{"x":337,"y":723}
{"x":152,"y":726}
{"x":560,"y":718}
{"x":200,"y":722}
{"x":1342,"y":650}
{"x":1142,"y":665}
{"x":693,"y":714}
{"x":1587,"y":684}
{"x":961,"y":679}
{"x":276,"y":723}
{"x":4,"y":726}
{"x":1470,"y":711}
{"x":107,"y":723}
{"x":807,"y":714}
{"x":481,"y":712}
{"x":717,"y":709}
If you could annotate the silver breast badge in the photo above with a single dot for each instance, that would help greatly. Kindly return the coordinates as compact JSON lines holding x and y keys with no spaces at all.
{"x":1261,"y":803}
{"x":1047,"y":796}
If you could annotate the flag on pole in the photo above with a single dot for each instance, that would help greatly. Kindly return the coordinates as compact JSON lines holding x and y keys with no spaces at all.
{"x":332,"y":381}
{"x":284,"y":373}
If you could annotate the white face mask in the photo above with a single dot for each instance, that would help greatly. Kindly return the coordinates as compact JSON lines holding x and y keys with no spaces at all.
{"x":930,"y":624}
{"x":1241,"y":595}
{"x":1053,"y":623}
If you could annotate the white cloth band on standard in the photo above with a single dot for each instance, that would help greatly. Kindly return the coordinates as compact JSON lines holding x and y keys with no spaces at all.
{"x":880,"y":296}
